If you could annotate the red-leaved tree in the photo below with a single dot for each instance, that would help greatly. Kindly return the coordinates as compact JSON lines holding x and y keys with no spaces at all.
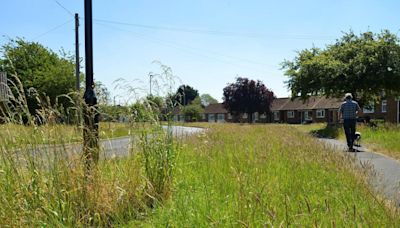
{"x":247,"y":96}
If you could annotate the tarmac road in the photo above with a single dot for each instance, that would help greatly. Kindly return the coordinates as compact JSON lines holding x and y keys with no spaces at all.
{"x":119,"y":147}
{"x":109,"y":148}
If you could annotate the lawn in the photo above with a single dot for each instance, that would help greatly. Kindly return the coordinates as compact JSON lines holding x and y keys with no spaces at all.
{"x":266,"y":175}
{"x":384,"y":138}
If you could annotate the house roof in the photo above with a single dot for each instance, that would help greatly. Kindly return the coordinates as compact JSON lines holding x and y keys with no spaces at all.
{"x":215,"y":108}
{"x":328,"y":103}
{"x":177,"y":110}
{"x":313,"y":102}
{"x":278,"y":103}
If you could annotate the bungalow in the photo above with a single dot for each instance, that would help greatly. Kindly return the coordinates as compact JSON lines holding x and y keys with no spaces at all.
{"x":386,"y":109}
{"x":216,"y":113}
{"x":177,"y":114}
{"x":314,"y":109}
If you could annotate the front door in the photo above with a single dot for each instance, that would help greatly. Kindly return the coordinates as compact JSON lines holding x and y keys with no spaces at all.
{"x":330,"y":116}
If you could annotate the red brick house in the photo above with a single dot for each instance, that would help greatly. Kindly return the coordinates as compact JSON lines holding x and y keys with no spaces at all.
{"x":317,"y":109}
{"x":386,"y":109}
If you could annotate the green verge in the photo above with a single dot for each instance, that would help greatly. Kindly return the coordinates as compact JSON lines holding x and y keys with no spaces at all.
{"x":46,"y":186}
{"x":263,"y":175}
{"x":59,"y":133}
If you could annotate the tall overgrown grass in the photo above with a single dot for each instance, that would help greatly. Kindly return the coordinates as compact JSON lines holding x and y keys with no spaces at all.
{"x":268,"y":176}
{"x":44,"y":179}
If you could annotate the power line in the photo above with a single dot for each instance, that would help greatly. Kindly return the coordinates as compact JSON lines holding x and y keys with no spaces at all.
{"x":189,"y":50}
{"x":52,"y":29}
{"x":64,"y":8}
{"x":219,"y":33}
{"x":176,"y":29}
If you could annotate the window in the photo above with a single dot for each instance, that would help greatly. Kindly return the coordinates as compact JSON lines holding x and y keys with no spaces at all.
{"x":255,"y":115}
{"x":229,"y":116}
{"x":307,"y":115}
{"x":320,"y":113}
{"x":176,"y":118}
{"x":244,"y":116}
{"x":203,"y":116}
{"x":182,"y":118}
{"x":221,"y":117}
{"x":211,"y":118}
{"x":276,"y":116}
{"x":290,"y":114}
{"x":263,"y":116}
{"x":384,"y":106}
{"x":369,"y":108}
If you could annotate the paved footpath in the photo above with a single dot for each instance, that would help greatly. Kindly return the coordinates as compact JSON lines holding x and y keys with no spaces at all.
{"x":386,"y":170}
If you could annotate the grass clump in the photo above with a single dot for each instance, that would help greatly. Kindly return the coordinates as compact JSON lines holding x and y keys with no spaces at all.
{"x":267,"y":175}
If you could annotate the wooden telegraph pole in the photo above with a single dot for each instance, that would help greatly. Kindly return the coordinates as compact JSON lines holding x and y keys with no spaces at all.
{"x":91,"y":116}
{"x":77,"y":72}
{"x":77,"y":65}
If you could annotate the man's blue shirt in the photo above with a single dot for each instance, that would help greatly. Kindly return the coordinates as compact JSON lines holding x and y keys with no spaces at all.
{"x":349,"y":109}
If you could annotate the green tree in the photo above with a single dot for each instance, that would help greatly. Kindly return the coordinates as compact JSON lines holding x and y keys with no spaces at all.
{"x":156,"y":102}
{"x":102,"y":93}
{"x":207,"y":99}
{"x":247,"y":96}
{"x":194,"y":110}
{"x":185,"y":94}
{"x":365,"y":65}
{"x":40,"y":68}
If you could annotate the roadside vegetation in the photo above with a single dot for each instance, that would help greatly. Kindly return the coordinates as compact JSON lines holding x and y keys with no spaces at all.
{"x":46,"y":183}
{"x":60,"y":133}
{"x":267,"y":175}
{"x":382,"y":138}
{"x":50,"y":185}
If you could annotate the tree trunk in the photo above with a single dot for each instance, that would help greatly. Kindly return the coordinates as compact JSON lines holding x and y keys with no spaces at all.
{"x":250,"y":117}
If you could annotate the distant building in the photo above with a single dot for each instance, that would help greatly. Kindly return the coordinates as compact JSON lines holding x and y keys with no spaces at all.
{"x":216,"y":113}
{"x":316,"y":109}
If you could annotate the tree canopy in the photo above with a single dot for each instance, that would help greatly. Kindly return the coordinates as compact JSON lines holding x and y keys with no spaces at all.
{"x":193,"y":111}
{"x":102,"y":93}
{"x":39,"y":68}
{"x":207,"y":99}
{"x":365,"y":65}
{"x":185,"y":95}
{"x":247,"y":96}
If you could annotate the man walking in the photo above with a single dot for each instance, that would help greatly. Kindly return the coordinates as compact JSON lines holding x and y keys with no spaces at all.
{"x":348,"y":112}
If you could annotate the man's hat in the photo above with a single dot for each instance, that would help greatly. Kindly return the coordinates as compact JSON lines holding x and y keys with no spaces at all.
{"x":348,"y":96}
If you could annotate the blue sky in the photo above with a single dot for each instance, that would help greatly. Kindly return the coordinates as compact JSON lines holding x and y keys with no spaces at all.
{"x":223,"y":39}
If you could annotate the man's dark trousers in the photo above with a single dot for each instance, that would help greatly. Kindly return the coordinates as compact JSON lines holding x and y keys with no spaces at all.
{"x":349,"y":126}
